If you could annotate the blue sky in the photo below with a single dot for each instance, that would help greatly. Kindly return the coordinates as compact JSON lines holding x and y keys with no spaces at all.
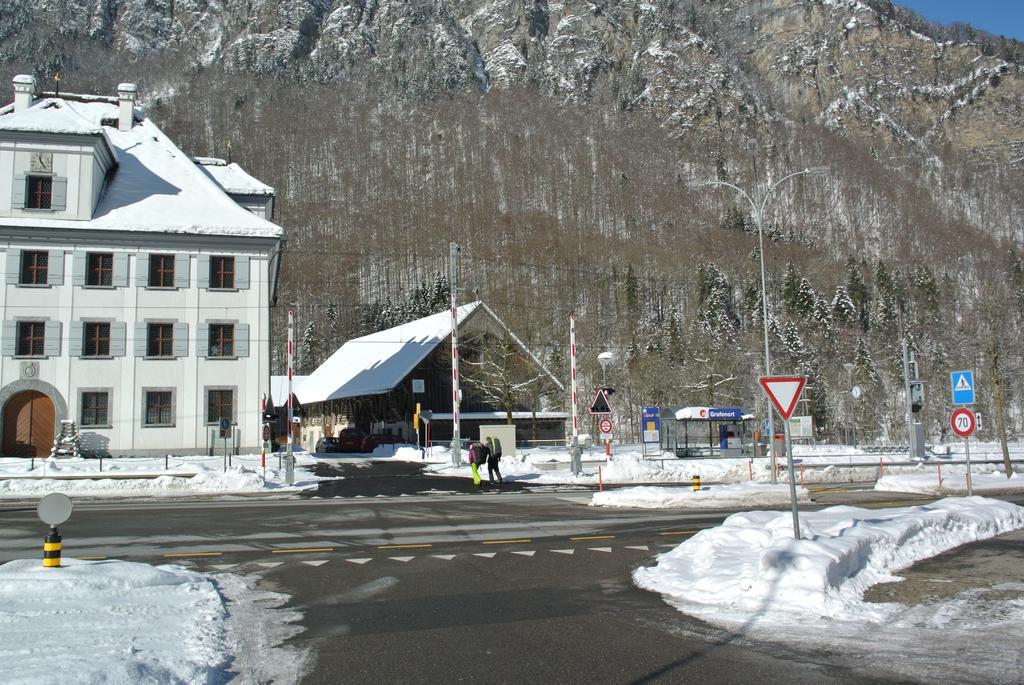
{"x":1000,"y":17}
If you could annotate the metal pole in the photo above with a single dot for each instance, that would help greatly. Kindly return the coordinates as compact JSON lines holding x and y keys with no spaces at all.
{"x":764,"y":320}
{"x":289,"y":460}
{"x":576,"y":462}
{"x":911,"y":437}
{"x":453,"y":252}
{"x":967,"y":451}
{"x":792,"y":482}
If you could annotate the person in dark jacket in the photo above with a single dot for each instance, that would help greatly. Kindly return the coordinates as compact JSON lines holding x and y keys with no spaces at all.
{"x":493,"y":457}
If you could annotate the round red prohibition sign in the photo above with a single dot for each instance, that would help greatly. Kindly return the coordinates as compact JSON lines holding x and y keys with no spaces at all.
{"x":963,"y":422}
{"x":605,"y":425}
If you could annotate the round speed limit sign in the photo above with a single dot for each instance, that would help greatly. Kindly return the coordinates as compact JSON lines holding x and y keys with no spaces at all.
{"x":963,"y":422}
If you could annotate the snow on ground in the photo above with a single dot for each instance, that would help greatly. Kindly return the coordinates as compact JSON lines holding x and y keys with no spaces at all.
{"x":120,"y":622}
{"x":130,"y":476}
{"x":750,"y":577}
{"x":925,"y":480}
{"x":709,"y":497}
{"x":751,"y":570}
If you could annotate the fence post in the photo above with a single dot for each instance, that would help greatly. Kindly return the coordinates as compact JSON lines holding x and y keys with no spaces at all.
{"x":750,"y":468}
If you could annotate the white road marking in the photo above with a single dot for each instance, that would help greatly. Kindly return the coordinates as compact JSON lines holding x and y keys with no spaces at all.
{"x":446,"y":557}
{"x":359,"y":561}
{"x":643,"y":547}
{"x":525,"y":553}
{"x":564,"y":551}
{"x":600,"y":549}
{"x":489,"y":555}
{"x":223,"y":567}
{"x":316,"y":563}
{"x":402,"y":559}
{"x":269,"y":564}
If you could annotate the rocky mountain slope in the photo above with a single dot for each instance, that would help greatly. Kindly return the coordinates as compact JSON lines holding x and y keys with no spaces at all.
{"x":727,"y":65}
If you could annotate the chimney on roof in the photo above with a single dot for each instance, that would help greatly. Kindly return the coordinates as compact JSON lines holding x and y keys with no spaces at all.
{"x":126,"y":106}
{"x":24,"y":91}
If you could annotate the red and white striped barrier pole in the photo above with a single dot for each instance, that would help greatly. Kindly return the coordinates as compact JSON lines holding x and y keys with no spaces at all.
{"x":289,"y":460}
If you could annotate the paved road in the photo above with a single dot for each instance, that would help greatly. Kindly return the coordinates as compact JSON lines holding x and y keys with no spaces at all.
{"x":500,"y":586}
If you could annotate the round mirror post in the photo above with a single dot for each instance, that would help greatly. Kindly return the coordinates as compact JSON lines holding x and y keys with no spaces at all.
{"x":53,"y":510}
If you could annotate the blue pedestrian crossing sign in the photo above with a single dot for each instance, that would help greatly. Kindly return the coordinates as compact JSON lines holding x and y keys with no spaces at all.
{"x":962,"y":383}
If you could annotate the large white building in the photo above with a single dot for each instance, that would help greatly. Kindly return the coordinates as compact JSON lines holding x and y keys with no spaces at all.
{"x":136,"y":298}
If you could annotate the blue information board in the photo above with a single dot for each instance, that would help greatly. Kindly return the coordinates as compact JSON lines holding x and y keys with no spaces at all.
{"x":962,"y":384}
{"x":650,"y":424}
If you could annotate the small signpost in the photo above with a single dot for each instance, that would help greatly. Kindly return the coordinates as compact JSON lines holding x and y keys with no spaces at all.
{"x":963,"y":424}
{"x":225,"y":432}
{"x":602,"y":407}
{"x":783,"y":392}
{"x":53,"y":510}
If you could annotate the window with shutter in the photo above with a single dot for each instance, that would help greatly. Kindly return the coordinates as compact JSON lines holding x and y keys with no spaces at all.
{"x":96,"y":341}
{"x":31,"y":338}
{"x":40,"y":192}
{"x":161,"y":271}
{"x":222,"y":273}
{"x":221,"y":340}
{"x":34,"y":267}
{"x":160,"y":340}
{"x":100,"y":269}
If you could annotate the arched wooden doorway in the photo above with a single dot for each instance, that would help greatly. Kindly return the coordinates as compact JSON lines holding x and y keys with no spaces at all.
{"x":29,"y":424}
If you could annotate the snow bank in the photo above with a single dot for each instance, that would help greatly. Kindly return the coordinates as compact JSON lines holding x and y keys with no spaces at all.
{"x":110,"y":622}
{"x":750,"y":571}
{"x":925,"y":480}
{"x":128,"y":477}
{"x":713,"y":497}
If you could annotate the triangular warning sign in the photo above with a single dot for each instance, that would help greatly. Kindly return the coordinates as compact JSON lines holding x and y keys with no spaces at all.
{"x":962,"y":384}
{"x":600,"y":404}
{"x":783,"y":391}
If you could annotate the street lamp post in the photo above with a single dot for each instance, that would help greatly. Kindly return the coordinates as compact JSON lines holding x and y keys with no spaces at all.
{"x":757,"y":207}
{"x":849,"y":366}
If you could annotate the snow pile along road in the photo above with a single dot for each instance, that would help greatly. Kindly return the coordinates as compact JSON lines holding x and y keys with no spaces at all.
{"x":710,"y":497}
{"x":925,"y":481}
{"x":751,"y":572}
{"x":120,"y":622}
{"x":129,"y":476}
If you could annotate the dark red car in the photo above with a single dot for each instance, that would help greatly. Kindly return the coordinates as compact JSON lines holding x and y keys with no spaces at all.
{"x":350,"y":440}
{"x":370,"y":442}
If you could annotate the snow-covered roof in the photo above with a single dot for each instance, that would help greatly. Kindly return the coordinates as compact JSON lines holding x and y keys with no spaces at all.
{"x":279,"y":388}
{"x":51,"y":115}
{"x":231,"y":177}
{"x":155,"y":187}
{"x":376,"y":363}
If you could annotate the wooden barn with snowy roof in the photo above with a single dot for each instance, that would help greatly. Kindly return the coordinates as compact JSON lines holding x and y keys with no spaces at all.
{"x":374,"y":382}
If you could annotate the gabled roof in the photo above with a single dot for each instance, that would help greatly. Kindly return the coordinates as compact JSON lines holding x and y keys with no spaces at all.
{"x":374,"y":364}
{"x":155,"y":188}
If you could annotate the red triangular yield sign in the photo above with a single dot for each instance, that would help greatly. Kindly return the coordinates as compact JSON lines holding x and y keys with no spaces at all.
{"x":783,"y":391}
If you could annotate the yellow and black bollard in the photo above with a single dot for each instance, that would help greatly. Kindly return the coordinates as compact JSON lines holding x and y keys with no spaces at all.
{"x":696,"y":483}
{"x":51,"y":549}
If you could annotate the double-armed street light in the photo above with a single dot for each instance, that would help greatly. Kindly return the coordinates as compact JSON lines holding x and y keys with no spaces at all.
{"x":757,"y":205}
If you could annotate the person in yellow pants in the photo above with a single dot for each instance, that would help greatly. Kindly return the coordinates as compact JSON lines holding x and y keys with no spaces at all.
{"x":474,"y":461}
